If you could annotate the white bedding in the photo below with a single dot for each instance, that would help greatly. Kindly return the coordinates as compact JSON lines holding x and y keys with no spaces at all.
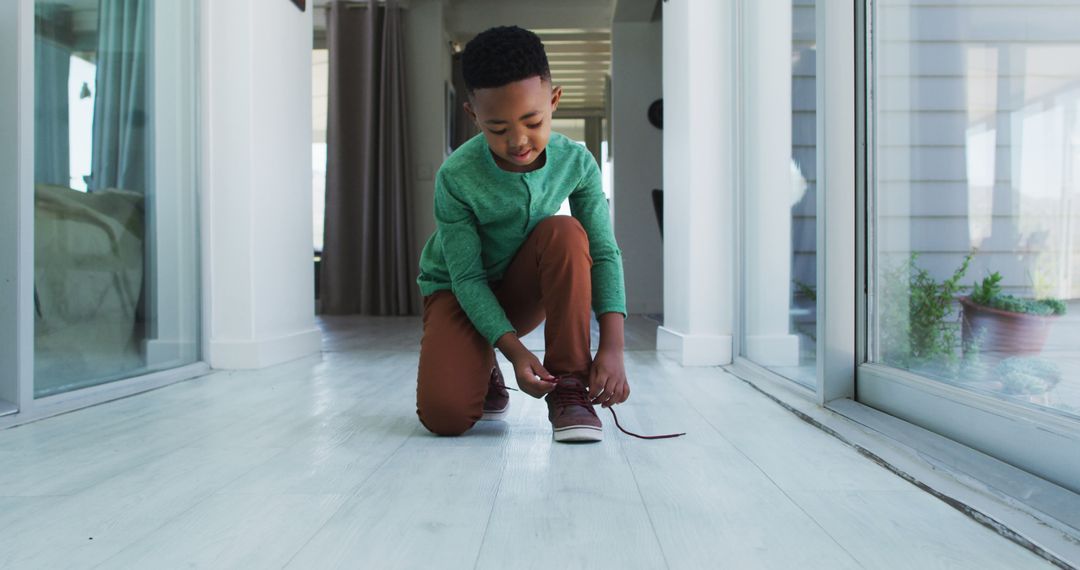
{"x":88,"y":282}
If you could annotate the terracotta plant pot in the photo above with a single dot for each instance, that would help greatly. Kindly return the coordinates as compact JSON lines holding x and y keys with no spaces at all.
{"x":1004,"y":332}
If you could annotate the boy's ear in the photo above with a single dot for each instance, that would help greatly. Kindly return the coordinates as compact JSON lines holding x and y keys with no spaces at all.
{"x":469,"y":110}
{"x":556,"y":94}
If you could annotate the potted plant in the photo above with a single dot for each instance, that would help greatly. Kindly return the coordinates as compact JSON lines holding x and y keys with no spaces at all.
{"x":1027,"y":376}
{"x":919,"y":324}
{"x":1005,"y":324}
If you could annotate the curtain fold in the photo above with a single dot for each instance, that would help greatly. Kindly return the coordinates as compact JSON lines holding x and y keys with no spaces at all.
{"x":119,"y":155}
{"x":52,"y":64}
{"x":367,"y":246}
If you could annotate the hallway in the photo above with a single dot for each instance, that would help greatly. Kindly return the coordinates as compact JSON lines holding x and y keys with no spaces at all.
{"x":320,"y":463}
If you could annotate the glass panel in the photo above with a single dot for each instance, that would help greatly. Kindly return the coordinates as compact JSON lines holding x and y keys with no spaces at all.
{"x":115,"y":283}
{"x":780,"y":191}
{"x":976,"y":193}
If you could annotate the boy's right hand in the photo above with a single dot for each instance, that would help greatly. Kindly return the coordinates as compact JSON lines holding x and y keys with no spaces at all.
{"x":526,"y":367}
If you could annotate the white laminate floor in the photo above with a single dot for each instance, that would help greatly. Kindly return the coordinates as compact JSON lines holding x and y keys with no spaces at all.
{"x":321,"y":463}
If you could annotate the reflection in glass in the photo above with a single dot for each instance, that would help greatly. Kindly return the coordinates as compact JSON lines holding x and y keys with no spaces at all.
{"x":780,"y":189}
{"x":976,"y":193}
{"x":114,"y":279}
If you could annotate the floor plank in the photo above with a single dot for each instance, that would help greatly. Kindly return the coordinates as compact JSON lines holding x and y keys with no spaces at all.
{"x":884,"y":529}
{"x":559,"y":505}
{"x":426,"y":507}
{"x":709,"y":503}
{"x":89,"y":527}
{"x":232,"y":531}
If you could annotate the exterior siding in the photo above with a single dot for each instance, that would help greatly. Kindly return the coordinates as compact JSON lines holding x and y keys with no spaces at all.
{"x":946,"y":73}
{"x":978,"y":139}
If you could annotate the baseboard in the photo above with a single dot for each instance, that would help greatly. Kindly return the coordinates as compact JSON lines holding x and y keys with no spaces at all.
{"x":253,"y":354}
{"x":694,"y":350}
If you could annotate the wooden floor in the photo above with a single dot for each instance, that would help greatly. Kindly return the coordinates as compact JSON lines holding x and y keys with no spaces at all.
{"x":321,"y":463}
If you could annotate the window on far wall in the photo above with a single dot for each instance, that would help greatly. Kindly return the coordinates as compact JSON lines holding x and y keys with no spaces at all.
{"x":574,"y":129}
{"x":320,"y":75}
{"x":81,"y":87}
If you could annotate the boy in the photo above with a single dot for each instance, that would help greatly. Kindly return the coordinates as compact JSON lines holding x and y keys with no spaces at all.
{"x":500,"y":262}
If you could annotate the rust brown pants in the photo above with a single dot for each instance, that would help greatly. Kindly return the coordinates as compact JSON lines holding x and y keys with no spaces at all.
{"x":549,"y":277}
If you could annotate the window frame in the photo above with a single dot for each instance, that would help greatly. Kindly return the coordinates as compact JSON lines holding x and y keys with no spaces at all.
{"x":16,"y":208}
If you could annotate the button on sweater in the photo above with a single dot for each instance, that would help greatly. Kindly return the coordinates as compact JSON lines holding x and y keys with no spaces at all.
{"x":484,"y":213}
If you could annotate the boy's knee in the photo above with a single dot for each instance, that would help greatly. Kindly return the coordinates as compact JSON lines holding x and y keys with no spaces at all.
{"x":564,"y":231}
{"x":558,"y":225}
{"x":442,"y":418}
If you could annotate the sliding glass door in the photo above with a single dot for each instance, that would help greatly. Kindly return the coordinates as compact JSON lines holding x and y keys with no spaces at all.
{"x":115,"y":277}
{"x":973,"y":226}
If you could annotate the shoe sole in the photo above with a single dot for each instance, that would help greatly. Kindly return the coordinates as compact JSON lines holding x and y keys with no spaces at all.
{"x":578,"y":433}
{"x":496,"y":415}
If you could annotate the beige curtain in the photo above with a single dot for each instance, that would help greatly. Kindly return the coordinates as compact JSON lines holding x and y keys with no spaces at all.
{"x":366,"y":258}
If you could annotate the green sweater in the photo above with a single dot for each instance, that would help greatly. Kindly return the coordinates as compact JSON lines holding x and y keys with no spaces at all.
{"x":484,"y":213}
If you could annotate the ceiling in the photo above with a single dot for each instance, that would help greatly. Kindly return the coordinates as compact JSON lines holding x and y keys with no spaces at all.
{"x":580,"y":61}
{"x":576,"y":35}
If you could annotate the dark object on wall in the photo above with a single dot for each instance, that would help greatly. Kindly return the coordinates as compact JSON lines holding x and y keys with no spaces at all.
{"x":318,"y":273}
{"x":658,"y":207}
{"x":302,"y":4}
{"x":656,"y":114}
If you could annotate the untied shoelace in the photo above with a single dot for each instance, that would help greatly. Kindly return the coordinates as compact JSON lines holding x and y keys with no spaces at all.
{"x":577,"y":398}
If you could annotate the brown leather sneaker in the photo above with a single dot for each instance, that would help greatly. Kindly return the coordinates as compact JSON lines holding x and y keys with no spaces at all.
{"x":572,"y":416}
{"x":497,"y":401}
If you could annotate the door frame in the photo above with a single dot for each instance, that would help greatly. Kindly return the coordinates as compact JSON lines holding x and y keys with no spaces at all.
{"x":16,"y":207}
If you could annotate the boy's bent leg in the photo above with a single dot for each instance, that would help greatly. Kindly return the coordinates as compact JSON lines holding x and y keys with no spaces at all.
{"x":552,"y":272}
{"x":455,"y":368}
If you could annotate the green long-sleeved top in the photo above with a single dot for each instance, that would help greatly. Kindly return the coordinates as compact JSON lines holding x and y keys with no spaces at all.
{"x":484,"y":213}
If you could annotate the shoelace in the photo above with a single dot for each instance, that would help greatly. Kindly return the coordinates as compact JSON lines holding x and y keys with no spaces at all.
{"x":639,"y":436}
{"x":580,"y":398}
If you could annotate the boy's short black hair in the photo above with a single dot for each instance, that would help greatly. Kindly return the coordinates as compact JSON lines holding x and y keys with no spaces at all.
{"x":501,"y":55}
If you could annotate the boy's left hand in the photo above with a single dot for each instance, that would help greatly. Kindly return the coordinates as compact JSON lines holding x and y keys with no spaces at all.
{"x":607,"y":379}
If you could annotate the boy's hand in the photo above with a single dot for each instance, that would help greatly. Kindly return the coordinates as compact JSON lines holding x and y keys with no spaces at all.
{"x":527,"y":367}
{"x":607,"y":379}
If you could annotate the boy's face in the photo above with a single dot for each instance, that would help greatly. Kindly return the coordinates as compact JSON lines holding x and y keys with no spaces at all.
{"x":516,"y":120}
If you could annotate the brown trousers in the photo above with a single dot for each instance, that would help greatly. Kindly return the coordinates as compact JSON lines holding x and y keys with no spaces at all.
{"x":549,"y":277}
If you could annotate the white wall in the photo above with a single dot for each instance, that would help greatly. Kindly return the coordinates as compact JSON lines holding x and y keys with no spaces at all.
{"x":636,"y":81}
{"x":427,"y":61}
{"x":256,"y":192}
